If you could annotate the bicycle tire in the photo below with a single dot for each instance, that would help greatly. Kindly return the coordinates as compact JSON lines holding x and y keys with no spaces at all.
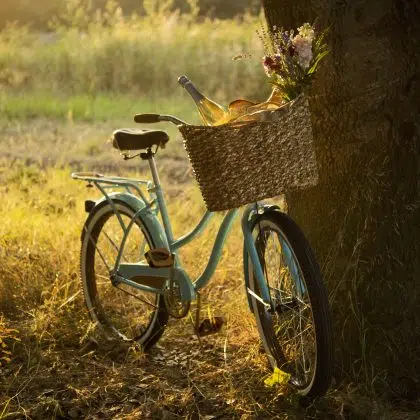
{"x":300,"y":289}
{"x":120,"y":311}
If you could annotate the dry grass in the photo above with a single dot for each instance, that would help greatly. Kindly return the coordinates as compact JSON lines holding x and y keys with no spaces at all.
{"x":59,"y":366}
{"x":82,"y":145}
{"x":62,"y":368}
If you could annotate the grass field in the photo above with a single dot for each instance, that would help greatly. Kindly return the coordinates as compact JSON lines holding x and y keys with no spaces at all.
{"x":140,"y":56}
{"x":60,"y":367}
{"x":61,"y":97}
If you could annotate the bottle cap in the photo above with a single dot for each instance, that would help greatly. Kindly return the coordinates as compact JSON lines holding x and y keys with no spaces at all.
{"x":183,"y":80}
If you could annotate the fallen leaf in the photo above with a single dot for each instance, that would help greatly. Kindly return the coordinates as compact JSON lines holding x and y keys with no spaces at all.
{"x":278,"y":377}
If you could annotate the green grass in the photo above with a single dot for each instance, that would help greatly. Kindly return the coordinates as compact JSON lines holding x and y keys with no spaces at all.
{"x":89,"y":108}
{"x":138,"y":56}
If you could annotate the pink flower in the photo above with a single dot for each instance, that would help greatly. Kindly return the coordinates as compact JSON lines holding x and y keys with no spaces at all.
{"x":268,"y":64}
{"x":268,"y":61}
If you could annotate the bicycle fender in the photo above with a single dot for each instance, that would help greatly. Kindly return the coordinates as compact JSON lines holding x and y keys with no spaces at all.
{"x":266,"y":208}
{"x":147,"y":217}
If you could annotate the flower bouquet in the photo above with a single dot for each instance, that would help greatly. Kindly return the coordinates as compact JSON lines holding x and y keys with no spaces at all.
{"x":292,"y":60}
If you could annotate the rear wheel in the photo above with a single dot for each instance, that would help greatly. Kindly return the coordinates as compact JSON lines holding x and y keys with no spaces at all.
{"x":124,"y":312}
{"x":296,"y":331}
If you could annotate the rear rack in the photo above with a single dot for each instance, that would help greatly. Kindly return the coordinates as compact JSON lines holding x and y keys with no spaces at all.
{"x":102,"y":183}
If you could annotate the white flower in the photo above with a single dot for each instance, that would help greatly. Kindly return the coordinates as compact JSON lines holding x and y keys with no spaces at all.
{"x":307,"y":31}
{"x":303,"y":49}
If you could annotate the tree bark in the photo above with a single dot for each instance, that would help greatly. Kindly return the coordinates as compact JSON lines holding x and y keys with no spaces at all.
{"x":363,"y":218}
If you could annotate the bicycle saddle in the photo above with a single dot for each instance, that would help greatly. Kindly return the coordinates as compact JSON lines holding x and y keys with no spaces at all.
{"x":138,"y":139}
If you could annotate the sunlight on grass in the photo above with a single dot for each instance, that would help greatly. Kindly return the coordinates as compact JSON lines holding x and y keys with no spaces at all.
{"x":43,"y":214}
{"x":62,"y":94}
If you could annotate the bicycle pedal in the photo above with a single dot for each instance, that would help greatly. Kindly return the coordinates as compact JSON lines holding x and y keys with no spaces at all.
{"x":159,"y":257}
{"x":210,"y":326}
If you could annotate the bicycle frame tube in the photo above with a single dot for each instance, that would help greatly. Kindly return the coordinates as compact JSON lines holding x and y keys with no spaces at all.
{"x":174,"y":245}
{"x":216,"y":252}
{"x":160,"y":200}
{"x":186,"y":239}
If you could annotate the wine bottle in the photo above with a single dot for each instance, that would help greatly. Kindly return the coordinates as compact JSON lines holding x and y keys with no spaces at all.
{"x":210,"y":112}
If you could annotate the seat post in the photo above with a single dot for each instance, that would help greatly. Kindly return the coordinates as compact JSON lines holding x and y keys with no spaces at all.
{"x":160,"y":198}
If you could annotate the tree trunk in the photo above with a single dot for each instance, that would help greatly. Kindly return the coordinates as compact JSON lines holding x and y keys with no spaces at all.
{"x":363,"y":218}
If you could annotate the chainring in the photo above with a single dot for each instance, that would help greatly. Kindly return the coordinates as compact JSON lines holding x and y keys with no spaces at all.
{"x":173,"y":302}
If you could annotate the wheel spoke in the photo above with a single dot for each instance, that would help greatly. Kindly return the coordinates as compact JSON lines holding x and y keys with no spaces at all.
{"x":111,"y":241}
{"x":99,"y":251}
{"x":141,"y":249}
{"x":301,"y":345}
{"x":138,"y":298}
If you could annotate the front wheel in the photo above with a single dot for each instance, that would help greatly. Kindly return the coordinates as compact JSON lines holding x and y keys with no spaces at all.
{"x":296,"y":330}
{"x":124,"y":312}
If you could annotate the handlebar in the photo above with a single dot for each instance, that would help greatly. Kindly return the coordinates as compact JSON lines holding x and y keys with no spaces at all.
{"x":154,"y":118}
{"x":146,"y":118}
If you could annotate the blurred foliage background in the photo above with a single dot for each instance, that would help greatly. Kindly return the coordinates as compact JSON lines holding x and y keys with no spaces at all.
{"x":86,"y":54}
{"x":38,"y":13}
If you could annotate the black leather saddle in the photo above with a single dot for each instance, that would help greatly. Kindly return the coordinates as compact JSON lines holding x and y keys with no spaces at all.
{"x":138,"y":139}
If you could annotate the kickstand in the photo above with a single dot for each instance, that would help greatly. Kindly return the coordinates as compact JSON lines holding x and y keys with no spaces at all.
{"x":197,"y":317}
{"x":211,"y":325}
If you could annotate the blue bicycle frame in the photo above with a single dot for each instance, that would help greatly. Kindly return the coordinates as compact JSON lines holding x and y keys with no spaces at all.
{"x":147,"y":211}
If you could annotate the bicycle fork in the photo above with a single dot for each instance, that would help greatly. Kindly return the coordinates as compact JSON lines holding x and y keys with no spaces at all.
{"x":253,"y":254}
{"x":250,"y":251}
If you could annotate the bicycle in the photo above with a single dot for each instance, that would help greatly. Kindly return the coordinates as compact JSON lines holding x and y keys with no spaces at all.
{"x":133,"y":280}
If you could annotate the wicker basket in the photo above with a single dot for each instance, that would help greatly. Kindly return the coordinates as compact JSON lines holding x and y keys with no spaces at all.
{"x":236,"y":164}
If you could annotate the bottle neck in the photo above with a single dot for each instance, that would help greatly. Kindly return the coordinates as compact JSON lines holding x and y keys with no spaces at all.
{"x":192,"y":90}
